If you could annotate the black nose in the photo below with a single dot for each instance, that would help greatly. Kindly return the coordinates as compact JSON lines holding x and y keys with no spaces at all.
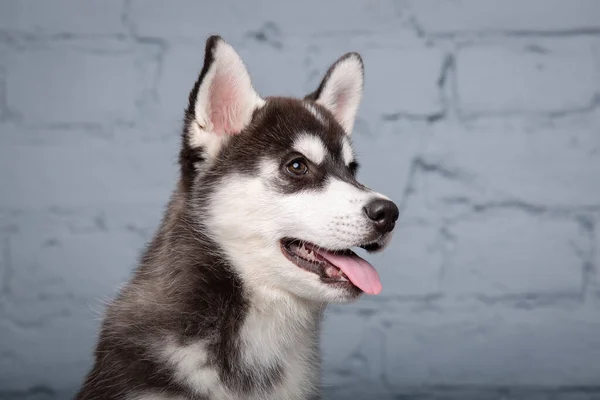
{"x":383,"y":213}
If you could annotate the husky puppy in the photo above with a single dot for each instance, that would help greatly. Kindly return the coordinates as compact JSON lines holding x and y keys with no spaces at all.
{"x":228,"y":297}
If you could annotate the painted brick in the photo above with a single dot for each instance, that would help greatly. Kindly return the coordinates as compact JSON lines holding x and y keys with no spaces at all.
{"x":64,"y":266}
{"x":49,"y":353}
{"x":356,"y":363}
{"x":85,"y":17}
{"x":54,"y":254}
{"x":533,"y":78}
{"x":338,"y":352}
{"x":72,"y":134}
{"x":96,"y":173}
{"x":286,"y":74}
{"x":448,"y":17}
{"x":4,"y":50}
{"x":388,"y":146}
{"x":180,"y":69}
{"x":554,"y":164}
{"x":338,"y":16}
{"x":482,"y":281}
{"x":77,"y":86}
{"x":404,"y":82}
{"x":595,"y":273}
{"x":412,"y":265}
{"x":189,"y":19}
{"x":194,"y":20}
{"x":509,"y":252}
{"x":471,"y":345}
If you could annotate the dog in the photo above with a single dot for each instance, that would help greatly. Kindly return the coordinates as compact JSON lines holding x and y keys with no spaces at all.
{"x":229,"y":295}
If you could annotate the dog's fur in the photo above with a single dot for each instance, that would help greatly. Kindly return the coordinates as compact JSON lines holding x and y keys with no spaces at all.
{"x":215,"y":310}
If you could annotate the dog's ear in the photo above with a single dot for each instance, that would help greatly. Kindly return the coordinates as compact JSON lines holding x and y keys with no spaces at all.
{"x":221,"y":103}
{"x":341,"y":89}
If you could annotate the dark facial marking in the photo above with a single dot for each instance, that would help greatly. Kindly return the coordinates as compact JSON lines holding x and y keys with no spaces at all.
{"x":271,"y":135}
{"x":354,"y":166}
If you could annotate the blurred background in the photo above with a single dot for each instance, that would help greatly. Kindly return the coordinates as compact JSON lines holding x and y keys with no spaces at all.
{"x":481,"y":118}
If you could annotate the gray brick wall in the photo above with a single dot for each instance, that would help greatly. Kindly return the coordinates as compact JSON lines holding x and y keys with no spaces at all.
{"x":481,"y":118}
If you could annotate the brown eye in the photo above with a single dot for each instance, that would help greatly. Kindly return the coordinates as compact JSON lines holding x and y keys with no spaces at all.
{"x":297,"y":167}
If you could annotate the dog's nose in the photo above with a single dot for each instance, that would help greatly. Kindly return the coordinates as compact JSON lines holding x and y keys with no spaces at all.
{"x":383,"y":213}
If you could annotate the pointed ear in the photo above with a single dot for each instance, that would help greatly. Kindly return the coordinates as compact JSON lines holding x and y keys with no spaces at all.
{"x":221,"y":103}
{"x":341,"y":89}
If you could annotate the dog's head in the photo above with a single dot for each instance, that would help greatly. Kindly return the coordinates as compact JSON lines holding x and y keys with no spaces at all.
{"x":273,"y":181}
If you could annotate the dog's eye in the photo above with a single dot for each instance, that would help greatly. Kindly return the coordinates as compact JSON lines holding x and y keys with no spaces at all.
{"x":297,"y":167}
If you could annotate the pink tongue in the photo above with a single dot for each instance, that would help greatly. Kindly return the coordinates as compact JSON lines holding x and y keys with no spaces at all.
{"x":359,"y":271}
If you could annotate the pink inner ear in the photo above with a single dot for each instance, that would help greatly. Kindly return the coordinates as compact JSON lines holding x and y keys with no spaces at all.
{"x":226,"y":112}
{"x":340,"y":103}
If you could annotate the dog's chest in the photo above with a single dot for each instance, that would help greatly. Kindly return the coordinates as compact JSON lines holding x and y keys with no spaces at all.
{"x":277,"y":358}
{"x":288,"y":339}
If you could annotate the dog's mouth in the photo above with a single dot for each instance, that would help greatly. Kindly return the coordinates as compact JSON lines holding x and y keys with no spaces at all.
{"x":342,"y":268}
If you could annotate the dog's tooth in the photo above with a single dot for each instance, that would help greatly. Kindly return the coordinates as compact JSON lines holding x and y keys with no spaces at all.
{"x":332,"y":271}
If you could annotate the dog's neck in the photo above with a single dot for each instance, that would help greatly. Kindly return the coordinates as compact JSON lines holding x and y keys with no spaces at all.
{"x":283,"y":330}
{"x":277,"y":326}
{"x":253,"y":333}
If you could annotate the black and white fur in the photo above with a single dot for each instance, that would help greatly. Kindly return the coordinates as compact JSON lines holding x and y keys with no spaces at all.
{"x":215,"y":310}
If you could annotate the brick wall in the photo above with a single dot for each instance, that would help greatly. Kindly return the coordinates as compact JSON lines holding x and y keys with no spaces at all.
{"x":481,"y":118}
